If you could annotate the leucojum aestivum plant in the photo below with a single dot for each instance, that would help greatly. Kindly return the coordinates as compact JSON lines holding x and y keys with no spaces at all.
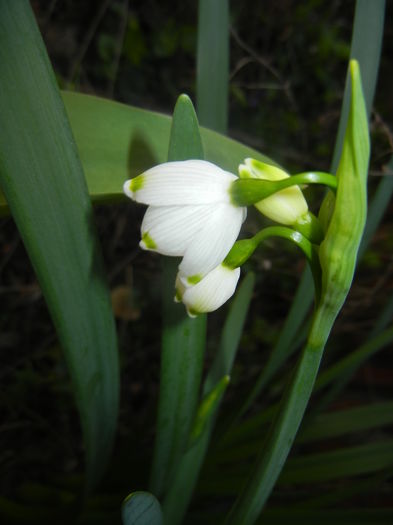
{"x":197,"y":194}
{"x":196,"y":210}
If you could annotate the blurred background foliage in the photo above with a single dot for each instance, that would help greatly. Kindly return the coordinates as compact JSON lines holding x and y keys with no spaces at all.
{"x":287,"y":72}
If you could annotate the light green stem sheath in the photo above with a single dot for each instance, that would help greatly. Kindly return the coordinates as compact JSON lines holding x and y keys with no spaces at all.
{"x":243,"y":249}
{"x":283,"y":431}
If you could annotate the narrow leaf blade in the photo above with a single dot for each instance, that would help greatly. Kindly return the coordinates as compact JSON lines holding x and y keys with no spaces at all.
{"x":183,"y":339}
{"x":213,"y":64}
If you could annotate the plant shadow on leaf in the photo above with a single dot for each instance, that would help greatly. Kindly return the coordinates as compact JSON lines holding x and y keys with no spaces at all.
{"x":140,"y":154}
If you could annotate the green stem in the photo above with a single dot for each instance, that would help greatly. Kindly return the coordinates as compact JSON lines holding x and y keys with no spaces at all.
{"x":282,"y":433}
{"x":244,"y":248}
{"x":245,"y":192}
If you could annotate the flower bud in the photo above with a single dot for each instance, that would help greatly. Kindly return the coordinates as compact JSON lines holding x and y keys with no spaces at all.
{"x":286,"y":206}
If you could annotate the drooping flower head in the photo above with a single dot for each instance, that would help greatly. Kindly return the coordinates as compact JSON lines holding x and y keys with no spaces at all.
{"x":190,"y":214}
{"x":210,"y":293}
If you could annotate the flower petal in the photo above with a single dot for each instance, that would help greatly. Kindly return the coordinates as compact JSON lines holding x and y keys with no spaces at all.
{"x":180,"y":183}
{"x":285,"y":206}
{"x":212,"y":243}
{"x":212,"y":291}
{"x":170,"y":229}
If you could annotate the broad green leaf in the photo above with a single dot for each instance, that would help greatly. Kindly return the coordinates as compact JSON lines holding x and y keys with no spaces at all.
{"x":213,"y":64}
{"x":141,"y":508}
{"x":183,"y":339}
{"x":42,"y":179}
{"x":116,"y":142}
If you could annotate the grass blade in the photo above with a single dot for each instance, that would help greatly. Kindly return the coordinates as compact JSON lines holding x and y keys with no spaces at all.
{"x":366,"y":49}
{"x":254,"y":426}
{"x":284,"y":347}
{"x":336,"y":464}
{"x":183,"y":339}
{"x":322,"y":427}
{"x":184,"y":480}
{"x":327,"y":517}
{"x":43,"y":182}
{"x":213,"y":64}
{"x":353,"y":420}
{"x":351,"y":362}
{"x":377,"y":208}
{"x":231,"y":334}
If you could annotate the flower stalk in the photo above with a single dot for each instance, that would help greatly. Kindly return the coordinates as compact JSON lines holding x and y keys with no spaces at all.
{"x":245,"y":192}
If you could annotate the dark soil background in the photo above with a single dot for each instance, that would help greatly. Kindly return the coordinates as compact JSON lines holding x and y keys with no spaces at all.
{"x":288,"y":66}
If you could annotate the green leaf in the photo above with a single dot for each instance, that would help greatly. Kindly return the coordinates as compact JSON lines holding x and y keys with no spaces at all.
{"x":366,"y":49}
{"x":116,"y":142}
{"x":213,"y":64}
{"x":327,"y":517}
{"x":183,"y":339}
{"x":42,"y":179}
{"x":353,"y":420}
{"x":321,"y":427}
{"x":356,"y":358}
{"x":141,"y":508}
{"x":255,"y":425}
{"x":207,"y":409}
{"x":231,"y":333}
{"x":377,"y":208}
{"x":284,"y":346}
{"x":336,"y":464}
{"x":185,"y":478}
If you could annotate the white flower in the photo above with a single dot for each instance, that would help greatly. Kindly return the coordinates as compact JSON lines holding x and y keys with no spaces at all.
{"x":190,"y":213}
{"x":286,"y":206}
{"x":210,"y":293}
